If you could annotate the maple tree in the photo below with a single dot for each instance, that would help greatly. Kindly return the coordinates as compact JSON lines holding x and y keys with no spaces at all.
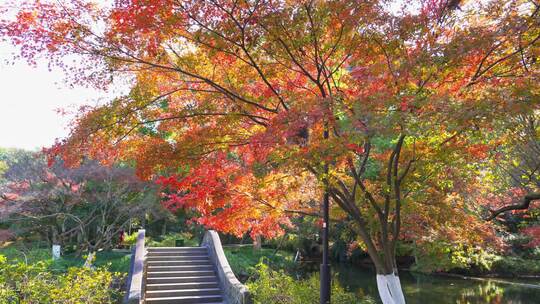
{"x":247,"y":111}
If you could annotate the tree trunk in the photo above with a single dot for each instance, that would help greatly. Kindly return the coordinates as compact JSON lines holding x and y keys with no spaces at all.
{"x":389,"y":288}
{"x":257,"y":243}
{"x":380,"y":243}
{"x":54,"y":236}
{"x":388,"y":283}
{"x":143,"y":221}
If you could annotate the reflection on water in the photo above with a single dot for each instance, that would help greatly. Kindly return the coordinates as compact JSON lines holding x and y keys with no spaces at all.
{"x":427,"y":289}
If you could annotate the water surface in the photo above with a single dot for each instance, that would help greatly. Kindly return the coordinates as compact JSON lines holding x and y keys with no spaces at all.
{"x":434,"y":289}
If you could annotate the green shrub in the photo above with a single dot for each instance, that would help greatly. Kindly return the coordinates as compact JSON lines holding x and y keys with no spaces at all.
{"x":6,"y":293}
{"x":441,"y":256}
{"x":35,"y":283}
{"x":131,"y":239}
{"x":276,"y":287}
{"x":514,"y":266}
{"x":84,"y":285}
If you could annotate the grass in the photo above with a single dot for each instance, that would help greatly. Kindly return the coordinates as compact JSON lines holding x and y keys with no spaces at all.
{"x":244,"y":259}
{"x":31,"y":254}
{"x":25,"y":252}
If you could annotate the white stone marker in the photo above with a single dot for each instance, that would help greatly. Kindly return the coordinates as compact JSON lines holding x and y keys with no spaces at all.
{"x":55,"y":252}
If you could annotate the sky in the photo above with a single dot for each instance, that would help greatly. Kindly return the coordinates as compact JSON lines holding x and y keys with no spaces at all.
{"x":29,"y":98}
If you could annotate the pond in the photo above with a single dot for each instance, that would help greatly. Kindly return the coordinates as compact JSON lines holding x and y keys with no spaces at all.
{"x":427,"y":289}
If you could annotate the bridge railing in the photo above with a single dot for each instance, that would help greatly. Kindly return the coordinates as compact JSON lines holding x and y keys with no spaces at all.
{"x":134,"y":293}
{"x":234,"y":291}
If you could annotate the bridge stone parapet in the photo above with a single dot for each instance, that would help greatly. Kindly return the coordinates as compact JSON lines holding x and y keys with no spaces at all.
{"x":234,"y":291}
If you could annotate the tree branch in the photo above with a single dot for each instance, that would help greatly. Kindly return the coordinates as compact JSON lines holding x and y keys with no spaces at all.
{"x":527,"y":199}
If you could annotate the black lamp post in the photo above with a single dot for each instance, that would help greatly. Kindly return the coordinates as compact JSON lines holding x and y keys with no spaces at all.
{"x":325,"y":265}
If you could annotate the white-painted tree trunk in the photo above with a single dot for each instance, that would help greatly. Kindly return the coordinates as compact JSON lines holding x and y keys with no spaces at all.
{"x":389,"y":288}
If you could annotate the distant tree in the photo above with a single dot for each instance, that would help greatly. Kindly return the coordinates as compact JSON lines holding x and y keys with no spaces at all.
{"x":88,"y":205}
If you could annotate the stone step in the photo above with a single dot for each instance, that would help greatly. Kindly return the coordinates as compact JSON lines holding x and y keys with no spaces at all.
{"x":183,"y":292}
{"x":213,"y":299}
{"x":152,"y":268}
{"x":177,"y":253}
{"x":151,"y":258}
{"x":187,"y":279}
{"x":179,"y":273}
{"x":178,"y":263}
{"x":188,"y":285}
{"x":197,"y":249}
